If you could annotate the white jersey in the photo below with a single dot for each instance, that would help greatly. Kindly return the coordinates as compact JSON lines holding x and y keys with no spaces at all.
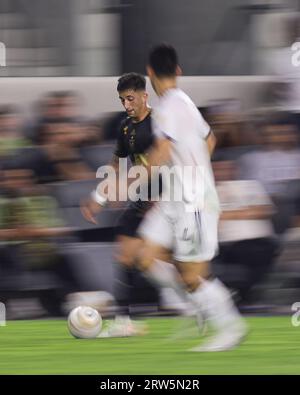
{"x":177,"y":118}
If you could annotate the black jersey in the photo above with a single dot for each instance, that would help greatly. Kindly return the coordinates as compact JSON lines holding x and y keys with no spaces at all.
{"x":134,"y":139}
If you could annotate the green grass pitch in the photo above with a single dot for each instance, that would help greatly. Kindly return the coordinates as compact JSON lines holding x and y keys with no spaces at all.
{"x":46,"y":347}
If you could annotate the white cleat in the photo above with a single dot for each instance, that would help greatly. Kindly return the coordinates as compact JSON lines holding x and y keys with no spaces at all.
{"x":225,"y":340}
{"x":189,"y":326}
{"x":123,"y":328}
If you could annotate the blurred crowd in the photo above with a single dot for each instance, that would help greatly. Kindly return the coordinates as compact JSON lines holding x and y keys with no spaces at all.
{"x":48,"y":164}
{"x":257,"y":171}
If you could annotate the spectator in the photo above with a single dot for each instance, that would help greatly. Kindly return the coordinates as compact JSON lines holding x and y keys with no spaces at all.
{"x":30,"y":225}
{"x":229,"y":127}
{"x":11,"y":138}
{"x":276,"y":165}
{"x":61,"y":105}
{"x":245,"y":230}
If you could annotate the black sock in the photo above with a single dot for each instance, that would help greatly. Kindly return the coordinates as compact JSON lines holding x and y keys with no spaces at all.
{"x":124,"y":284}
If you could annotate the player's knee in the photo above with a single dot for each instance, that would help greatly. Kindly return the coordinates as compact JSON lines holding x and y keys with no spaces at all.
{"x":205,"y":270}
{"x":189,"y":280}
{"x":128,"y":251}
{"x":192,"y":273}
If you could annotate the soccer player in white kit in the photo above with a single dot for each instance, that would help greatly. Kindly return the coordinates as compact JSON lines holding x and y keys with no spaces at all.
{"x":187,"y":227}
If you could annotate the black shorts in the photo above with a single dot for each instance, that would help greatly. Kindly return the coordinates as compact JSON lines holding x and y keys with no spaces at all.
{"x":132,"y":217}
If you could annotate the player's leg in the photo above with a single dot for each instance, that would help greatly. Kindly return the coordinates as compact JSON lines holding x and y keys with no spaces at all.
{"x":125,"y":272}
{"x":153,"y":261}
{"x":156,"y":232}
{"x":125,"y":257}
{"x":208,"y":294}
{"x":155,"y":257}
{"x":128,"y":244}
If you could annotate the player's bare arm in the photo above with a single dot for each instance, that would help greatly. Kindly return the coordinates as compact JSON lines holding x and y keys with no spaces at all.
{"x":211,"y":142}
{"x":160,"y":153}
{"x":89,"y":207}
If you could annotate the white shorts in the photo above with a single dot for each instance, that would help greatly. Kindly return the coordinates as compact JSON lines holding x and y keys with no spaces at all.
{"x":192,"y":236}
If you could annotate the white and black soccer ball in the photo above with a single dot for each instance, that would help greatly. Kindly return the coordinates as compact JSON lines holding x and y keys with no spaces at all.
{"x":84,"y":322}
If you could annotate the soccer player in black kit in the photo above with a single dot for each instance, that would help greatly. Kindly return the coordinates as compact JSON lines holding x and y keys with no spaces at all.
{"x":135,"y":138}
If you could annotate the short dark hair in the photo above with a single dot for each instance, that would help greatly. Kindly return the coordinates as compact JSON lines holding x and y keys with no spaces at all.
{"x":134,"y":81}
{"x":163,"y":60}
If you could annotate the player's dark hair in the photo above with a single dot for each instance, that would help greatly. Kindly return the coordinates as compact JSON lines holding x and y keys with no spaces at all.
{"x":163,"y":60}
{"x":134,"y":81}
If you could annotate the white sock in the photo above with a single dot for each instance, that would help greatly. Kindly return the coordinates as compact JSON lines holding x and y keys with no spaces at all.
{"x":122,"y":318}
{"x":165,"y":275}
{"x":162,"y":274}
{"x":215,"y":302}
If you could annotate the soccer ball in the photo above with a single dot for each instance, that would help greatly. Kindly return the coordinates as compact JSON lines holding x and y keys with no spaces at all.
{"x":84,"y":322}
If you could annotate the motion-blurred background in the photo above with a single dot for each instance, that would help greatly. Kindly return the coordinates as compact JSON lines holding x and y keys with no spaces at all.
{"x":57,"y":127}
